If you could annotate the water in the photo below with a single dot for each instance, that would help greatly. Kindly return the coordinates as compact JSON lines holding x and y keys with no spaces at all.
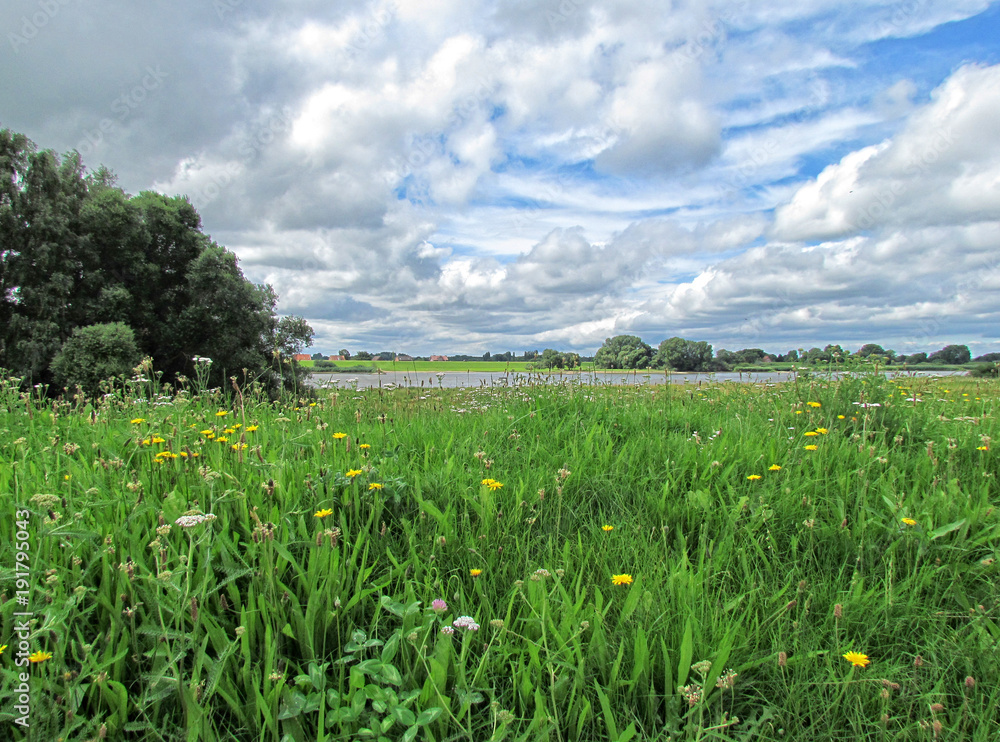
{"x":476,"y":379}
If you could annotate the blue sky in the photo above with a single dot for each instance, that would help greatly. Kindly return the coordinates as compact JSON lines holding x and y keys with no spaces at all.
{"x":473,"y":175}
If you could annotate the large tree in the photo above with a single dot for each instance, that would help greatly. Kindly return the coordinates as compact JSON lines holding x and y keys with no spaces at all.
{"x":76,"y":251}
{"x":683,"y":355}
{"x":956,"y":354}
{"x":623,"y":351}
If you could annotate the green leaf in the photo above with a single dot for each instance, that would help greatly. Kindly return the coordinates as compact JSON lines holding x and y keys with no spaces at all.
{"x":410,"y":734}
{"x":945,"y":530}
{"x":390,"y":674}
{"x":404,"y":715}
{"x":428,"y":715}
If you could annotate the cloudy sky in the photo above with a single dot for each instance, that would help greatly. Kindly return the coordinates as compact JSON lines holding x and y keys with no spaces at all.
{"x":434,"y":176}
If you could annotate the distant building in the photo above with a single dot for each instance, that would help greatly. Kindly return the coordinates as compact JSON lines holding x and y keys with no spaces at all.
{"x":438,"y":358}
{"x":767,"y":359}
{"x":337,"y":358}
{"x":302,"y":357}
{"x":403,"y":357}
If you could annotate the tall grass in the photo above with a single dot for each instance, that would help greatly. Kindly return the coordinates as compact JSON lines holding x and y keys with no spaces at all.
{"x":302,"y":605}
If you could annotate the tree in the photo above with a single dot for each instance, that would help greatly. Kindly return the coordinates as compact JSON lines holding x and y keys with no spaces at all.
{"x":362,"y":355}
{"x":916,"y":358}
{"x":954,"y":354}
{"x":623,"y":351}
{"x":869,"y":349}
{"x":683,"y":355}
{"x":76,"y":251}
{"x":93,"y":354}
{"x":345,"y":353}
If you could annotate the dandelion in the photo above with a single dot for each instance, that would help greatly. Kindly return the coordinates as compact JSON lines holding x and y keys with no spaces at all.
{"x":607,"y":529}
{"x":239,"y":446}
{"x":439,"y":606}
{"x":487,"y":482}
{"x":352,"y":473}
{"x":209,"y":433}
{"x":982,"y":448}
{"x":822,"y":431}
{"x":814,"y":404}
{"x":338,"y":436}
{"x":40,"y":656}
{"x":621,"y":579}
{"x":810,"y":433}
{"x":841,"y":417}
{"x":2,"y":648}
{"x":222,"y":439}
{"x":495,"y":485}
{"x":138,"y":420}
{"x":158,"y":439}
{"x":323,"y":513}
{"x":909,"y":521}
{"x":252,"y":428}
{"x":221,"y":413}
{"x":475,"y":572}
{"x":374,"y":486}
{"x":798,"y":412}
{"x":857,"y":659}
{"x":753,"y":477}
{"x":774,"y":467}
{"x":364,"y":446}
{"x":812,"y":447}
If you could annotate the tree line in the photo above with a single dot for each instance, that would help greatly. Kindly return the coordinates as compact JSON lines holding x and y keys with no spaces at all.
{"x":678,"y":354}
{"x":93,"y":280}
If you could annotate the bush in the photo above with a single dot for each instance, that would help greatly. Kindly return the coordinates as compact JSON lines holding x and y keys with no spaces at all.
{"x":94,"y":353}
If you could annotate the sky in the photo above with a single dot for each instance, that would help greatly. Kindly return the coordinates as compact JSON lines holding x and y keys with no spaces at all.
{"x":463,"y":176}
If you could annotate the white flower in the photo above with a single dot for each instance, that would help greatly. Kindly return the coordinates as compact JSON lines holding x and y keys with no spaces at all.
{"x":190,"y":521}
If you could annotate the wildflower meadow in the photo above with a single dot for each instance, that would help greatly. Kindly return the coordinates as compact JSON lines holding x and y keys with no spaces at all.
{"x":816,"y":560}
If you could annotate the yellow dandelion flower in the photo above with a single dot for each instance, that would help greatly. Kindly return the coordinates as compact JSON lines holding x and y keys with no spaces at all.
{"x":222,"y":439}
{"x":487,"y":482}
{"x":2,"y":648}
{"x":774,"y":467}
{"x":909,"y":521}
{"x":312,"y":404}
{"x":857,"y":659}
{"x":812,"y":447}
{"x":475,"y":572}
{"x":229,"y":431}
{"x":252,"y":428}
{"x":811,"y":433}
{"x":158,"y":439}
{"x":822,"y":431}
{"x":352,"y":472}
{"x":365,"y":446}
{"x":840,"y":417}
{"x":982,"y":448}
{"x":137,"y":420}
{"x":209,"y":433}
{"x":323,"y":513}
{"x":754,"y":477}
{"x":239,"y":446}
{"x":237,"y":425}
{"x":621,"y":579}
{"x":798,"y":412}
{"x":40,"y":656}
{"x":375,"y":486}
{"x":607,"y":529}
{"x":814,"y":404}
{"x":495,"y":485}
{"x":221,"y":413}
{"x":338,"y":436}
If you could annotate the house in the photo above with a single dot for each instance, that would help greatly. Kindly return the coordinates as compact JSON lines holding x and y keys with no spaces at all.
{"x":337,"y":358}
{"x":403,"y":357}
{"x":302,"y":357}
{"x":438,"y":358}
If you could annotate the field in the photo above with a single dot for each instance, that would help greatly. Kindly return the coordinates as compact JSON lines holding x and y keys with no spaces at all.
{"x":810,"y":561}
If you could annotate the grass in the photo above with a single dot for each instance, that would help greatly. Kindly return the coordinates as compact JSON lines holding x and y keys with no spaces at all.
{"x":305,"y":608}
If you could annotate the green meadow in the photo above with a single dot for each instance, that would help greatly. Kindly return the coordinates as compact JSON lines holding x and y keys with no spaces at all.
{"x":551,"y":562}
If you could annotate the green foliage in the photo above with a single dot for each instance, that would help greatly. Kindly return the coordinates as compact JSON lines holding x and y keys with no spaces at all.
{"x":625,"y":352}
{"x":93,"y":354}
{"x":679,"y":354}
{"x":952,"y":354}
{"x":268,"y":621}
{"x":79,"y":251}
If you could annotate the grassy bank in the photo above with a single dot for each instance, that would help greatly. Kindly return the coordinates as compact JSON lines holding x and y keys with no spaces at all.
{"x":551,"y":562}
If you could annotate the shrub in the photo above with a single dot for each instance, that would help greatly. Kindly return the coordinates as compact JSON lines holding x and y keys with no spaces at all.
{"x":94,"y":353}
